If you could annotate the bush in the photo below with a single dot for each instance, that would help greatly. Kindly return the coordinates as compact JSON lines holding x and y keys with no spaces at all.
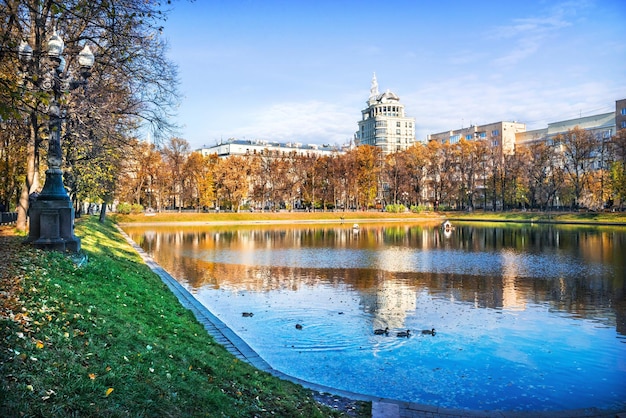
{"x":419,"y":208}
{"x":136,"y":208}
{"x":124,"y":208}
{"x":397,"y":208}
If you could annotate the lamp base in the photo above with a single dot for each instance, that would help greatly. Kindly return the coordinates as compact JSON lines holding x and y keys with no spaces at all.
{"x":51,"y":226}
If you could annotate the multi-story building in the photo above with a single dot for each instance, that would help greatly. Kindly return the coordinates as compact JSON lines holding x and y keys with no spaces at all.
{"x":602,"y":126}
{"x":499,"y":134}
{"x":257,"y":147}
{"x":384,"y":124}
{"x":620,"y":114}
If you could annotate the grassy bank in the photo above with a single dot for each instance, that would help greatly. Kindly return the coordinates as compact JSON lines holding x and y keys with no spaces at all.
{"x":107,"y":338}
{"x":247,"y":217}
{"x":252,"y":217}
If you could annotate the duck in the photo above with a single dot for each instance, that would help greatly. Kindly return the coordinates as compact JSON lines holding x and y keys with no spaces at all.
{"x":429,"y":331}
{"x":298,"y":326}
{"x":247,"y":314}
{"x":381,"y":331}
{"x":406,"y":333}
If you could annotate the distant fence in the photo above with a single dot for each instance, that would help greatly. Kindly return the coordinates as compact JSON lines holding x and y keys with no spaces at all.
{"x":8,"y":218}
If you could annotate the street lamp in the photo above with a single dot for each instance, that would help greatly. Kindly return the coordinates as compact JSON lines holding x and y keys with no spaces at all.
{"x":51,"y":213}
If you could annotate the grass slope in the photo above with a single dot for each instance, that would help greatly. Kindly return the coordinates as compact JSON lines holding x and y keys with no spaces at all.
{"x":108,"y":339}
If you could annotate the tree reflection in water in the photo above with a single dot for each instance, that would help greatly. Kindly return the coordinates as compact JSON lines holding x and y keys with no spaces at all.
{"x":513,"y":305}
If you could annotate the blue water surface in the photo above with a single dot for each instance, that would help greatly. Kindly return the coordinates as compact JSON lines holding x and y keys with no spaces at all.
{"x":525,"y":318}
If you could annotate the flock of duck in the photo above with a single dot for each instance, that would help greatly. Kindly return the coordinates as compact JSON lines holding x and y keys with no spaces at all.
{"x":379,"y":331}
{"x":406,"y":333}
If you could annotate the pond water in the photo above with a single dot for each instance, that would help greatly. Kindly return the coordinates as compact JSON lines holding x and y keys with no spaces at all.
{"x":526,"y":317}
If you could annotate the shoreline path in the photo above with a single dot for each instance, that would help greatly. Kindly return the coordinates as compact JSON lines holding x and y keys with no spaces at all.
{"x":381,"y":407}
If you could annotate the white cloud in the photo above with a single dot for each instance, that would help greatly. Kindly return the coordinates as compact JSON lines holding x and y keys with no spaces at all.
{"x":527,"y":35}
{"x":305,"y":122}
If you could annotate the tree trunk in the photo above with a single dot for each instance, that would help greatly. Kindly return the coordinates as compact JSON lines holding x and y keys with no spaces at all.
{"x":103,"y":212}
{"x":31,"y":182}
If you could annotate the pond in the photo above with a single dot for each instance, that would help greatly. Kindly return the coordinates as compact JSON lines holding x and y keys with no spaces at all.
{"x":526,"y":317}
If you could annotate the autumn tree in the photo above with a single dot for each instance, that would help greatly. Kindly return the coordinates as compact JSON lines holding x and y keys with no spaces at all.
{"x":441,"y":170}
{"x":131,"y":68}
{"x":416,"y":162}
{"x":618,"y":167}
{"x":175,"y":154}
{"x":233,"y":180}
{"x":468,"y":167}
{"x":577,"y":146}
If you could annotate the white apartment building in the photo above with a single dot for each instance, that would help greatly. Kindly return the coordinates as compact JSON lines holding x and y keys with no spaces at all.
{"x":602,"y":126}
{"x":499,"y":134}
{"x":276,"y":149}
{"x":384,"y":124}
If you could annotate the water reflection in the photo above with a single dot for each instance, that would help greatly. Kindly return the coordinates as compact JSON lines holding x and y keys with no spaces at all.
{"x":526,"y":297}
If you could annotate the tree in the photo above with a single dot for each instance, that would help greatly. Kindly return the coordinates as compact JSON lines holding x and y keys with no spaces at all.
{"x":233,"y":180}
{"x":618,"y":167}
{"x":416,"y":165}
{"x":367,"y":163}
{"x":468,"y":167}
{"x":132,"y":83}
{"x":576,"y":147}
{"x":175,"y":155}
{"x":441,"y":170}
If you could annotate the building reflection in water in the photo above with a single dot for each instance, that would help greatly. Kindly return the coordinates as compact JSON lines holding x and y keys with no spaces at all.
{"x":575,"y":270}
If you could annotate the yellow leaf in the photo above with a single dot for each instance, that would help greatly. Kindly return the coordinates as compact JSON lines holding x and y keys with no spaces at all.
{"x":39,"y":344}
{"x":108,"y":392}
{"x":92,"y":376}
{"x":108,"y":369}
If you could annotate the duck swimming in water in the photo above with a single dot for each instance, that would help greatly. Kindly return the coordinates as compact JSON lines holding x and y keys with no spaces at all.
{"x":381,"y":331}
{"x":406,"y":333}
{"x":298,"y":326}
{"x":429,"y":331}
{"x":247,"y":314}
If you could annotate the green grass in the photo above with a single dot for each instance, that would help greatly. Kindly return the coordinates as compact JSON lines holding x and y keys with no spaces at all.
{"x":108,"y":339}
{"x":271,"y":216}
{"x":296,"y":217}
{"x":557,"y":217}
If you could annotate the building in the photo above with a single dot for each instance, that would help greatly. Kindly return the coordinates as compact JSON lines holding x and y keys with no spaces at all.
{"x":257,"y":147}
{"x":602,"y":126}
{"x":499,"y":134}
{"x":620,"y":114}
{"x":384,"y":124}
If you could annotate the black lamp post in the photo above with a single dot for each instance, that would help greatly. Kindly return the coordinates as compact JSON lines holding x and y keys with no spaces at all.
{"x":51,"y":224}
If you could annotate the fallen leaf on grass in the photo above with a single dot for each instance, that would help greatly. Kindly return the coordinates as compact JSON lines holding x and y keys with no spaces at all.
{"x":92,"y":376}
{"x":108,"y":392}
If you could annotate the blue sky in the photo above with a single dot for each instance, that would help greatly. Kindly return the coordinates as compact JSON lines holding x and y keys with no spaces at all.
{"x":300,"y":71}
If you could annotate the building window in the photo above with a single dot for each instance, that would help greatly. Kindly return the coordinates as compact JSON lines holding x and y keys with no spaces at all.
{"x":495,"y":132}
{"x":623,"y":111}
{"x":455,"y":138}
{"x":468,"y":137}
{"x":398,"y":131}
{"x":624,"y":124}
{"x":398,"y":124}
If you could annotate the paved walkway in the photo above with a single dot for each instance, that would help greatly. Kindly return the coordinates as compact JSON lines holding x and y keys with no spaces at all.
{"x":381,"y":408}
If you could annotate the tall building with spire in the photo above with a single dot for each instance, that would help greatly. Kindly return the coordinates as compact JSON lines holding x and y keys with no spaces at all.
{"x":383,"y":123}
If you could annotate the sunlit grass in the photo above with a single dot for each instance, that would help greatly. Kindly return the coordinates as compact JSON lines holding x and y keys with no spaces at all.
{"x":109,"y":339}
{"x":269,"y":216}
{"x":372,"y":216}
{"x":562,"y":217}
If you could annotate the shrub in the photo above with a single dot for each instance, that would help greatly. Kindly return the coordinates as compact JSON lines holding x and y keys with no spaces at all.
{"x":124,"y":208}
{"x":419,"y":208}
{"x":397,"y":208}
{"x":136,"y":208}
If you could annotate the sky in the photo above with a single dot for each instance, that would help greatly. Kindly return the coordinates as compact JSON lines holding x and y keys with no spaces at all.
{"x":300,"y":71}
